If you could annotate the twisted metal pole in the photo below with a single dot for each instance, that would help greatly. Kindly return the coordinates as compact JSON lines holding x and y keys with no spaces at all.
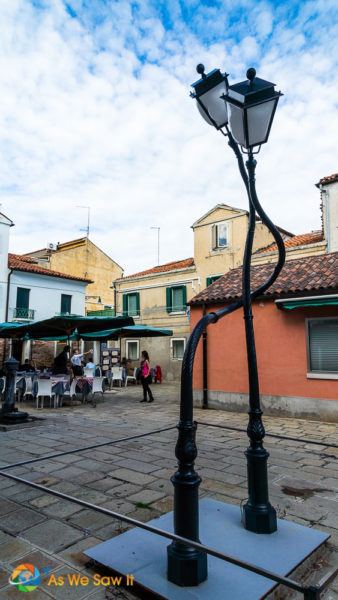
{"x":187,"y":565}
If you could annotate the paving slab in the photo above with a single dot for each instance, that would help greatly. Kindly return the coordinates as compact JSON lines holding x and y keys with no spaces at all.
{"x":19,"y":520}
{"x":52,"y":535}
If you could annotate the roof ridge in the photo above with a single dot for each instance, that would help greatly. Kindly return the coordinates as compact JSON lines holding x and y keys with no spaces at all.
{"x":157,"y":268}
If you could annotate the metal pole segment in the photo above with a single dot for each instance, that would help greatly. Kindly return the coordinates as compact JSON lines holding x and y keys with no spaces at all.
{"x":56,"y":454}
{"x":171,"y":536}
{"x":258,"y":514}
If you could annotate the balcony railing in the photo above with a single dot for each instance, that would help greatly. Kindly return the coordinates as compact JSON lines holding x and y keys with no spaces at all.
{"x":23,"y":314}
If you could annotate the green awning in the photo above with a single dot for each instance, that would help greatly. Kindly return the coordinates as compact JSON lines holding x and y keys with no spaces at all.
{"x":128,"y":331}
{"x":291,"y":305}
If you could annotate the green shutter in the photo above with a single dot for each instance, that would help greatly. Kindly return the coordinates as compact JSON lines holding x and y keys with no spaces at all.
{"x":22,"y":298}
{"x":184,"y":302}
{"x":209,"y":281}
{"x":137,"y":303}
{"x":125,"y":304}
{"x":169,"y":299}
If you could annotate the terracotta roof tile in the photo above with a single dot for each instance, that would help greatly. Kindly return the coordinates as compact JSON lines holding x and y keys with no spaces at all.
{"x":328,"y":179}
{"x":18,"y":262}
{"x":314,"y":273}
{"x":172,"y":266}
{"x":297,"y":240}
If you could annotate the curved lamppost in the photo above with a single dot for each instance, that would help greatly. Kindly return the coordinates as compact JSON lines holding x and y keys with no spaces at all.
{"x":242,"y":112}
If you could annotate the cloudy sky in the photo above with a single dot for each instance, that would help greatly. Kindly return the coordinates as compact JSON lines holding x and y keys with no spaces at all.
{"x":95,"y":111}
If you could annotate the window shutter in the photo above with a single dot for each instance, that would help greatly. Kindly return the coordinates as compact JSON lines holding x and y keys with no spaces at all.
{"x":125,"y":304}
{"x":324,"y":345}
{"x":137,"y":303}
{"x":214,"y":237}
{"x":209,"y":281}
{"x":169,"y":299}
{"x":22,"y":298}
{"x":184,"y":302}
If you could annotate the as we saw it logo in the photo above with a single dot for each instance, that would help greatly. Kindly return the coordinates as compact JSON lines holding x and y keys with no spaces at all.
{"x":25,"y":577}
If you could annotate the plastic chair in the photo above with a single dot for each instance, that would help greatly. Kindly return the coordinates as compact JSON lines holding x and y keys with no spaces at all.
{"x":72,"y":390}
{"x":28,"y":388}
{"x":117,"y":375}
{"x":44,"y":390}
{"x":87,"y":372}
{"x":131,"y":377}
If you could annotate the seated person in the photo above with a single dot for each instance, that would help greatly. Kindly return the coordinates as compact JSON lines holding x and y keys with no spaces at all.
{"x":27,"y":367}
{"x":76,"y":361}
{"x":90,"y":365}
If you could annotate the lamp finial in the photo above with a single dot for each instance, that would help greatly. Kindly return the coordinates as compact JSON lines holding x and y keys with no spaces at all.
{"x":251,"y":74}
{"x":200,"y":70}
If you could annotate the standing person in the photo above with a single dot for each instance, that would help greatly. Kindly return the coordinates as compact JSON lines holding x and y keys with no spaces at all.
{"x":146,"y":377}
{"x":61,"y":362}
{"x":76,"y":361}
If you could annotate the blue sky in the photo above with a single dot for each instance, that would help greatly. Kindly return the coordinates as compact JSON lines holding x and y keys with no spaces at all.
{"x":95,"y":110}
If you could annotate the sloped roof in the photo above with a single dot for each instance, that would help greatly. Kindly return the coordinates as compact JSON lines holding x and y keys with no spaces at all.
{"x":7,"y":219}
{"x":17,"y":262}
{"x":328,"y":179}
{"x":167,"y":267}
{"x":314,"y":273}
{"x":297,"y":240}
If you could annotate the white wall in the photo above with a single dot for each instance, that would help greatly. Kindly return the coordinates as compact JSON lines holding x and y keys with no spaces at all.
{"x":45,"y":294}
{"x":330,"y":215}
{"x":4,"y":240}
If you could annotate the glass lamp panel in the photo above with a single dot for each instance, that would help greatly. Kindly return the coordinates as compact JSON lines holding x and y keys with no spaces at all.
{"x":203,"y":113}
{"x":259,"y":118}
{"x":236,"y":123}
{"x":215,"y":105}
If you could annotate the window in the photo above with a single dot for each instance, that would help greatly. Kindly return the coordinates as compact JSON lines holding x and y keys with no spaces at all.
{"x":131,"y":304}
{"x":177,"y":348}
{"x":176,"y":299}
{"x":323,"y":345}
{"x":220,"y":236}
{"x":212,"y":278}
{"x":66,"y":304}
{"x":22,"y":304}
{"x":133,"y":349}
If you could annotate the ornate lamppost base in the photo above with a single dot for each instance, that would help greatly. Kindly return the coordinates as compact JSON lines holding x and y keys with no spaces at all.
{"x":13,"y":417}
{"x":186,"y":568}
{"x":259,"y":521}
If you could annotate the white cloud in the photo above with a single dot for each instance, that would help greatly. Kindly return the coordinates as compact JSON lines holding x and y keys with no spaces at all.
{"x":95,"y":110}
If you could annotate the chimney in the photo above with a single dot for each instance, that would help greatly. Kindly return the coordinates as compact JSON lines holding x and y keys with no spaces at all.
{"x":329,"y":194}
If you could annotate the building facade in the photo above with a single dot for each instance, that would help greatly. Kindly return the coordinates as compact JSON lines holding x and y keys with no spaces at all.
{"x":296,"y":331}
{"x":159,"y":296}
{"x":82,"y":258}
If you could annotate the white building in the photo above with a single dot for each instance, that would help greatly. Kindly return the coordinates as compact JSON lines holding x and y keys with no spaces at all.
{"x":36,"y":293}
{"x":5,"y":224}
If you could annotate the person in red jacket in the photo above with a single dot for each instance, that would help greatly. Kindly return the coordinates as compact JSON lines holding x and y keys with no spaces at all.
{"x":146,"y":377}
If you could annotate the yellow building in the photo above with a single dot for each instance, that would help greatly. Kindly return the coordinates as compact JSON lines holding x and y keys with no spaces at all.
{"x":83,"y":258}
{"x":158,"y":296}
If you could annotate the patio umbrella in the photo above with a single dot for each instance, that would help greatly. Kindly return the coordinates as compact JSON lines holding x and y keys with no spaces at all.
{"x":66,"y":325}
{"x":127,"y":331}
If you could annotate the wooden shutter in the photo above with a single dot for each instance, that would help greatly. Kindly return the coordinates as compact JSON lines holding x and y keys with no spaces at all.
{"x":184,"y":301}
{"x":137,"y":294}
{"x":169,"y":299}
{"x":22,"y":297}
{"x":125,"y":304}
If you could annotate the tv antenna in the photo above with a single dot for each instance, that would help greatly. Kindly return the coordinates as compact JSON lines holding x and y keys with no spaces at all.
{"x":87,"y":229}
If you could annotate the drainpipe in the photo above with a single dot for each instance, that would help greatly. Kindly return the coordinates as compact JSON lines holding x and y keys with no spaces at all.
{"x":115,"y":298}
{"x":205,"y":364}
{"x":6,"y":311}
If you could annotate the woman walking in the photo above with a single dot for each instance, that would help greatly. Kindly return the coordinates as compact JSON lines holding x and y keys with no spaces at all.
{"x":146,"y":377}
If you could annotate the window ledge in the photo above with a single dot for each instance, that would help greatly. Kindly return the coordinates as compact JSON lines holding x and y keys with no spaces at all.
{"x":322,"y":375}
{"x":177,"y":312}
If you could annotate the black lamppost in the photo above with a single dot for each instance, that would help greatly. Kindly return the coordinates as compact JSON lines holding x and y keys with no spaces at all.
{"x":251,"y":106}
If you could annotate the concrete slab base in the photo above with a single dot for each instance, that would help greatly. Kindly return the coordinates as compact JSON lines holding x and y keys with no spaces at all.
{"x":143,"y":554}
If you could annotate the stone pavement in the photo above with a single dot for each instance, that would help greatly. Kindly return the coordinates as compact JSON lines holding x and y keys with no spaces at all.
{"x":132,"y":478}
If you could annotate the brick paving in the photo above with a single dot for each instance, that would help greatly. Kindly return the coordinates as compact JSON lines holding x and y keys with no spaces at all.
{"x":132,"y":478}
